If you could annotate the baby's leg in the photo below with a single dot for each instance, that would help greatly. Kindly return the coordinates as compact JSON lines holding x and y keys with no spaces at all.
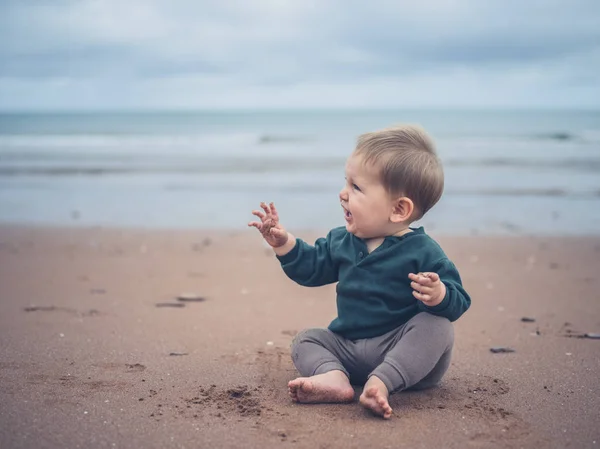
{"x":318,"y":355}
{"x":418,"y":357}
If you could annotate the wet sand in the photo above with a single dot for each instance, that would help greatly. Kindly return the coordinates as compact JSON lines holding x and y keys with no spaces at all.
{"x":96,"y":350}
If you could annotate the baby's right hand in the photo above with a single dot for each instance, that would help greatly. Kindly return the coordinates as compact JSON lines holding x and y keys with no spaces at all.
{"x":269,"y":226}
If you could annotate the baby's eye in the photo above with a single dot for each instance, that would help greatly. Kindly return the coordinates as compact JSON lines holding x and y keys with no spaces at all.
{"x":355,"y":187}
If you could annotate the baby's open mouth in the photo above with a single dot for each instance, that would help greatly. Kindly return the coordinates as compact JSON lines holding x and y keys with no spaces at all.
{"x":347,"y":213}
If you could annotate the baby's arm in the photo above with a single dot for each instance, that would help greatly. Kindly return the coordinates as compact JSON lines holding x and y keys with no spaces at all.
{"x":440,"y":292}
{"x":286,"y":247}
{"x":310,"y":265}
{"x":305,"y":264}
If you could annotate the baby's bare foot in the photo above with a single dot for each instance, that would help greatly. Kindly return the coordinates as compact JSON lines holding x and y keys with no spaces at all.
{"x":332,"y":386}
{"x":375,"y":397}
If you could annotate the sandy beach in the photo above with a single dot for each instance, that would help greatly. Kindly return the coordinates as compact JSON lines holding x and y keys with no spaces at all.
{"x":97,"y":352}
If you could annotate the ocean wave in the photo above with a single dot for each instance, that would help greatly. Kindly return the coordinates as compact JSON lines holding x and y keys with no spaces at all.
{"x":271,"y":138}
{"x":586,"y":136}
{"x":326,"y":188}
{"x":118,"y":141}
{"x":198,"y":165}
{"x":125,"y":164}
{"x":57,"y":140}
{"x":584,"y":164}
{"x":290,"y":188}
{"x":522,"y":192}
{"x":559,"y":135}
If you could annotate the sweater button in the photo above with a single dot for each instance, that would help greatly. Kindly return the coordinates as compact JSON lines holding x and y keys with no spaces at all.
{"x":360,"y":254}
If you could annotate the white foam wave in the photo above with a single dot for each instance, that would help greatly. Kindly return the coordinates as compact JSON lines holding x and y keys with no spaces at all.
{"x":130,"y":142}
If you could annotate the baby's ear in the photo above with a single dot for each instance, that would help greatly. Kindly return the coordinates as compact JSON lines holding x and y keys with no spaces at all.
{"x":403,"y":209}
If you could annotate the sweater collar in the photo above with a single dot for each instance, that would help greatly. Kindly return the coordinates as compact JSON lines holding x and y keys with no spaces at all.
{"x":415,"y":231}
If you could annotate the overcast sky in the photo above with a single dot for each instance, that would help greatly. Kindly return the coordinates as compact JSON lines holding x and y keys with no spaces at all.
{"x":194,"y":54}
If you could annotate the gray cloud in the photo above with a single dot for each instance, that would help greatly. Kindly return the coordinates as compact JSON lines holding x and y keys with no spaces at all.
{"x":92,"y":53}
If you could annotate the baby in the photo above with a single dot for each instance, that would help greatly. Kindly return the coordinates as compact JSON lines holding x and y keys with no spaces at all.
{"x":397,"y":291}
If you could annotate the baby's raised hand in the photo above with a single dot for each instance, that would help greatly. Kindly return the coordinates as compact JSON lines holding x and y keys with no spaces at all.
{"x":428,"y":288}
{"x":269,"y":226}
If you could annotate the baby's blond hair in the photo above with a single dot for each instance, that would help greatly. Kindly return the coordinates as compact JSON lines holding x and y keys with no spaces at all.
{"x":407,"y":164}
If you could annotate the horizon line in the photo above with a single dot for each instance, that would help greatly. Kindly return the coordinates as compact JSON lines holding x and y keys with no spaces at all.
{"x":513,"y":108}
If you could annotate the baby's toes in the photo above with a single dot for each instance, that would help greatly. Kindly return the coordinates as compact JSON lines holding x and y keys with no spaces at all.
{"x":293,"y":393}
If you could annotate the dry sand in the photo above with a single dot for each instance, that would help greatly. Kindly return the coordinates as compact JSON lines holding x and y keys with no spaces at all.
{"x":87,"y":358}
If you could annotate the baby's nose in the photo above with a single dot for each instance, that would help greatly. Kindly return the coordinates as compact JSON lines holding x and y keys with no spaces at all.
{"x":344,"y":195}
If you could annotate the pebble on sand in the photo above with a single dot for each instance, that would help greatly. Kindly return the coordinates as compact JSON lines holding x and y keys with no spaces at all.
{"x":592,"y":335}
{"x":190,"y":297}
{"x":499,"y":349}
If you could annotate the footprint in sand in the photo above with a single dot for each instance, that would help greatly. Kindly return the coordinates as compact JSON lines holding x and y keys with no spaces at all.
{"x":135,"y":367}
{"x":241,"y":400}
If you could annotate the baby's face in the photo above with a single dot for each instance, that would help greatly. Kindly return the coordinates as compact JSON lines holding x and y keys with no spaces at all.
{"x":367,"y":205}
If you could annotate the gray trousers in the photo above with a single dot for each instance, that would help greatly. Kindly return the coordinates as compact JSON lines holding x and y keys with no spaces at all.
{"x":415,"y":355}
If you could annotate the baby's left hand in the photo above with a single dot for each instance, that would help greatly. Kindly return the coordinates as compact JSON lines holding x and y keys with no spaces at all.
{"x":428,"y":288}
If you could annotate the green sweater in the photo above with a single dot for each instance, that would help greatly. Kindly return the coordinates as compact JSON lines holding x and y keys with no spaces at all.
{"x":374,"y":294}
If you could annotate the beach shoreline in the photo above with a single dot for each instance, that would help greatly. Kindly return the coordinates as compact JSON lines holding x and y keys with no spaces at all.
{"x":173,"y":169}
{"x":97,"y":350}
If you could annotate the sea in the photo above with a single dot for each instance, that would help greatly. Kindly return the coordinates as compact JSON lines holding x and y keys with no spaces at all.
{"x":524,"y":172}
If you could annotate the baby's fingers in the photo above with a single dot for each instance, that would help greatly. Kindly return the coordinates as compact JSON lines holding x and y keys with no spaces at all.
{"x":419,"y":278}
{"x":421,"y":296}
{"x":256,"y":224}
{"x":433,"y":276}
{"x":274,"y":211}
{"x":260,"y":214}
{"x":265,"y":208}
{"x":422,"y":278}
{"x":420,"y":288}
